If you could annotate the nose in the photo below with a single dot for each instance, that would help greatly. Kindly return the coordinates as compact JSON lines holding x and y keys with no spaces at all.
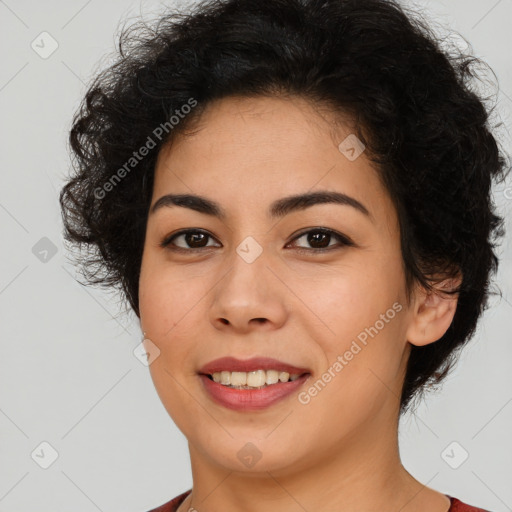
{"x":248,"y":297}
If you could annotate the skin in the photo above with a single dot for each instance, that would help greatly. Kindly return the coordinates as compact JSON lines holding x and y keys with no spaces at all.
{"x":340,"y":450}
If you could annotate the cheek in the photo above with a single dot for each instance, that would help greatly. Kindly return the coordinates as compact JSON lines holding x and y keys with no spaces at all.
{"x":352,"y":297}
{"x":167,"y":299}
{"x":362,"y":369}
{"x":361,"y":334}
{"x":170,"y":312}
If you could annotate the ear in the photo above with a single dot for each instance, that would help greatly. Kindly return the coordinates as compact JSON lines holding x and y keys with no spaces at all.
{"x":432,"y":312}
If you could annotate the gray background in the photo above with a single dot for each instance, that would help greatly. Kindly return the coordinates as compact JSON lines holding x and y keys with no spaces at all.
{"x":68,"y":375}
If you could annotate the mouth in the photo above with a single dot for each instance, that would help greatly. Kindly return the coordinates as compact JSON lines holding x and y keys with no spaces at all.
{"x":258,"y":379}
{"x":250,"y":385}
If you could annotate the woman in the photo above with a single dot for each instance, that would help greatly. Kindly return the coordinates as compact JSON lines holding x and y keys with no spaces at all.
{"x":294,"y":198}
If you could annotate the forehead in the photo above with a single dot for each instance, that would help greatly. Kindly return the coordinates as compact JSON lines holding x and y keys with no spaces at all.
{"x":248,"y":152}
{"x":260,"y":126}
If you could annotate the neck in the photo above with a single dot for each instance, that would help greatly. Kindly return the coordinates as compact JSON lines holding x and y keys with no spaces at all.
{"x":358,"y":475}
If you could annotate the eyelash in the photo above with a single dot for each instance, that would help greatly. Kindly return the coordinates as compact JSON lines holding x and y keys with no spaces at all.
{"x":343,"y":241}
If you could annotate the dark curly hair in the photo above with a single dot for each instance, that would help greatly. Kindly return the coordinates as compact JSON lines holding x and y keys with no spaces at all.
{"x":414,"y":107}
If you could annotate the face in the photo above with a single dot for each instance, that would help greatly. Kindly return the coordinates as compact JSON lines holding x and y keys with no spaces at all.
{"x":314,"y":284}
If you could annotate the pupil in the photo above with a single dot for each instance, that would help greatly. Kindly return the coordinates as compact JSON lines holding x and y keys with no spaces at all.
{"x":313,"y":238}
{"x":194,"y":237}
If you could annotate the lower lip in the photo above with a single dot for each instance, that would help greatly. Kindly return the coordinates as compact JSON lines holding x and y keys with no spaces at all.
{"x":251,"y":399}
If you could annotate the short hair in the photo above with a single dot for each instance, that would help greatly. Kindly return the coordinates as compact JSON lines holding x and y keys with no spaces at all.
{"x":413,"y":102}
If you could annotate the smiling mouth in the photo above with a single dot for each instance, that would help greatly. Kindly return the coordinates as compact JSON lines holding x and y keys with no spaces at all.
{"x":257,"y":379}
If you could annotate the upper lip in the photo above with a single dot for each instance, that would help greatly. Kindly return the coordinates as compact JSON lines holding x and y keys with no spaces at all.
{"x":231,"y":364}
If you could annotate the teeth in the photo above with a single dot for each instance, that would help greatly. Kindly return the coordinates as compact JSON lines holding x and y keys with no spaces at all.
{"x":255,"y":379}
{"x":272,"y":377}
{"x":238,"y":379}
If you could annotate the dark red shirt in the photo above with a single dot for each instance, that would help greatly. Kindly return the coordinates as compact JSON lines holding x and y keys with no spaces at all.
{"x":172,"y":506}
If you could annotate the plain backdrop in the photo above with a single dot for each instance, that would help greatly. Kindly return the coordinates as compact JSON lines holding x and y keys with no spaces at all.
{"x":73,"y":396}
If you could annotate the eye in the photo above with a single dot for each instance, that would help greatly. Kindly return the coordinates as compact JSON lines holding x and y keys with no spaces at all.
{"x":320,"y":240}
{"x":194,"y":239}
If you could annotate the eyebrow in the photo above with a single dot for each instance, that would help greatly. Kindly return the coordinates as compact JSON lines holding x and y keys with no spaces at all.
{"x":278,"y":208}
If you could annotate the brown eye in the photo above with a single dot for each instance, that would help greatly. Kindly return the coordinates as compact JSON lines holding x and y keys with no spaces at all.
{"x":187,"y":240}
{"x":320,"y":240}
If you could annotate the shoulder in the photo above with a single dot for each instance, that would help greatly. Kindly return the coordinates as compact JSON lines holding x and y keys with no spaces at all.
{"x":172,"y":506}
{"x":459,"y":506}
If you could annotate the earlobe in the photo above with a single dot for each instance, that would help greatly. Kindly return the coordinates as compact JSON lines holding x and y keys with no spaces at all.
{"x":433,"y":313}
